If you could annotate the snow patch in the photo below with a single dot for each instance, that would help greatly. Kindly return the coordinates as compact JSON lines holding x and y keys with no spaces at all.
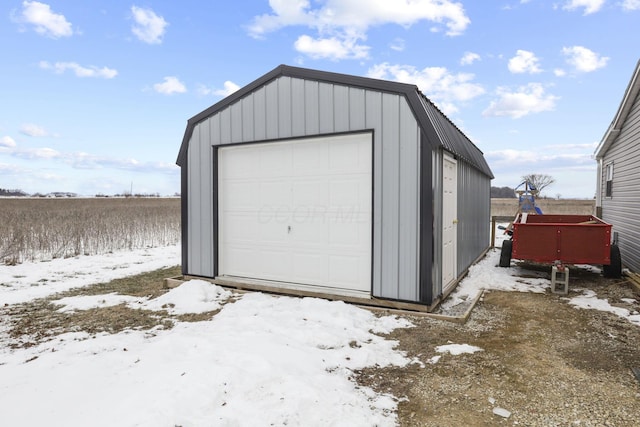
{"x":87,"y":302}
{"x":457,"y":349}
{"x":193,"y":296}
{"x":589,"y":300}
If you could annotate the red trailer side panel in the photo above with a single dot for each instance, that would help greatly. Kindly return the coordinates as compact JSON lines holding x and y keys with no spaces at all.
{"x":573,"y":239}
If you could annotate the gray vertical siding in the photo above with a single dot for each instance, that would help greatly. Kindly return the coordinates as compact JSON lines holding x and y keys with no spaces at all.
{"x":474,"y":212}
{"x":436,"y":176}
{"x":409,"y":212}
{"x":291,"y":107}
{"x":623,"y":208}
{"x":390,"y":157}
{"x":200,"y":213}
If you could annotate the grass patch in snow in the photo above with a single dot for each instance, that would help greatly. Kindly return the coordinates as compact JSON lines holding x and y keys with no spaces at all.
{"x":40,"y":320}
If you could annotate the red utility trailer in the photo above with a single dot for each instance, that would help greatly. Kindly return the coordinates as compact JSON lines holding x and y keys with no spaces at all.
{"x":567,"y":239}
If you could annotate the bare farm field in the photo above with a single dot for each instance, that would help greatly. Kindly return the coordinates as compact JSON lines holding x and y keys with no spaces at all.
{"x":36,"y":229}
{"x":508,"y":207}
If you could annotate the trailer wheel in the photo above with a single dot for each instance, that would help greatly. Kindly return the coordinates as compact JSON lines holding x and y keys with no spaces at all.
{"x":505,"y":253}
{"x":613,"y":270}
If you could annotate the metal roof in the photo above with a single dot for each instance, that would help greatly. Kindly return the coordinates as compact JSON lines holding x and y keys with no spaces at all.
{"x":440,"y":131}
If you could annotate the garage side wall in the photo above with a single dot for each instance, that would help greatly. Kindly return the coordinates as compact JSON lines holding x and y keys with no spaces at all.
{"x":294,"y":107}
{"x":474,"y":213}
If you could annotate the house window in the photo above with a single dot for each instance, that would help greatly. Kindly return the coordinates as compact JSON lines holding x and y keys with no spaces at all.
{"x":608,"y":180}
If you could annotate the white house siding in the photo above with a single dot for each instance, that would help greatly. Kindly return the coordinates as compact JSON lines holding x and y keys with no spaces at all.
{"x":622,"y":209}
{"x":292,"y":107}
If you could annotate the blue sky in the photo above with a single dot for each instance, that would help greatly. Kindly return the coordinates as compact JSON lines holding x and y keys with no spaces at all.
{"x":95,"y":95}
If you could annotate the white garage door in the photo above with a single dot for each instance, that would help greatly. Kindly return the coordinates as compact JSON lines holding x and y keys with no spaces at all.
{"x":297,"y":211}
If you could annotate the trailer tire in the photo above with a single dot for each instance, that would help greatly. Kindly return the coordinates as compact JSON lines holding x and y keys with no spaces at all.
{"x":505,"y":253}
{"x":613,"y":270}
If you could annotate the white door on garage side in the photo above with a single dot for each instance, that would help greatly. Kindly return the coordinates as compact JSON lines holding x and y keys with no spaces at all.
{"x":449,"y":222}
{"x":297,"y":211}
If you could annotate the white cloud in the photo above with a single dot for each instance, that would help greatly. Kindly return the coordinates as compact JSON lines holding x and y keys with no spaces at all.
{"x":590,"y":6}
{"x":148,"y":26}
{"x":398,"y":44}
{"x":30,"y":129}
{"x":524,"y":62}
{"x":341,"y":24}
{"x":87,"y":161}
{"x":437,"y":83}
{"x":37,"y":153}
{"x":469,"y":58}
{"x":360,"y":14}
{"x":631,"y":5}
{"x":559,"y":72}
{"x":575,"y":156}
{"x":45,"y":21}
{"x":333,"y":48}
{"x":169,"y":86}
{"x":526,"y":100}
{"x":583,"y":59}
{"x":229,"y":88}
{"x":79,"y":70}
{"x":7,"y":169}
{"x":7,"y":141}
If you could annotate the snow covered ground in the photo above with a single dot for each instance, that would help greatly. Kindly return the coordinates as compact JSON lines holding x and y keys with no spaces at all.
{"x":262,"y":360}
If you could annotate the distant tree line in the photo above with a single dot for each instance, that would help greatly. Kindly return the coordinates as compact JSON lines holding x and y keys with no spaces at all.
{"x":12,"y":193}
{"x":503,"y":193}
{"x":19,"y":193}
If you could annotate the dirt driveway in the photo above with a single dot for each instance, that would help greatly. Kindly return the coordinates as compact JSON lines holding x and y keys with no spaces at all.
{"x":543,"y":360}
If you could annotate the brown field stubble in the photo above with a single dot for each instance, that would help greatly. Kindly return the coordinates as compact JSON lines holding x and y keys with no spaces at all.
{"x":42,"y":229}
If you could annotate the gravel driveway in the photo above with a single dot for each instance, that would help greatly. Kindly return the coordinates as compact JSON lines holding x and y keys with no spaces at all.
{"x":544,"y":361}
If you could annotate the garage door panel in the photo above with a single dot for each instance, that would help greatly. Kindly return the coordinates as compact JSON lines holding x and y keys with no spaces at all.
{"x":237,"y":259}
{"x":275,"y":193}
{"x":242,"y":228}
{"x":272,"y":233}
{"x":346,"y":157}
{"x":345,"y":270}
{"x":352,"y":235}
{"x":350,"y":193}
{"x":275,"y":160}
{"x":273,"y":265}
{"x":310,"y":158}
{"x":238,"y":164}
{"x":309,"y":235}
{"x":311,"y":193}
{"x":241,"y":195}
{"x":304,"y":215}
{"x":310,"y":268}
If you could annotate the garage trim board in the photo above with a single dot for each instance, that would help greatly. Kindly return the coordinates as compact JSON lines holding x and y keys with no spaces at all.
{"x":298,"y":212}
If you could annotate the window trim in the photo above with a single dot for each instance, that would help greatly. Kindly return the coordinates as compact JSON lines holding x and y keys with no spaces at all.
{"x":608,"y":180}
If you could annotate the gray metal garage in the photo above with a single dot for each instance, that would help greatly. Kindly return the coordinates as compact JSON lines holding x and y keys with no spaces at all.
{"x":313,"y":182}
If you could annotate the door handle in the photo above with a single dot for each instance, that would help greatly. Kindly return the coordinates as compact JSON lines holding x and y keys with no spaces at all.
{"x":455,"y":221}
